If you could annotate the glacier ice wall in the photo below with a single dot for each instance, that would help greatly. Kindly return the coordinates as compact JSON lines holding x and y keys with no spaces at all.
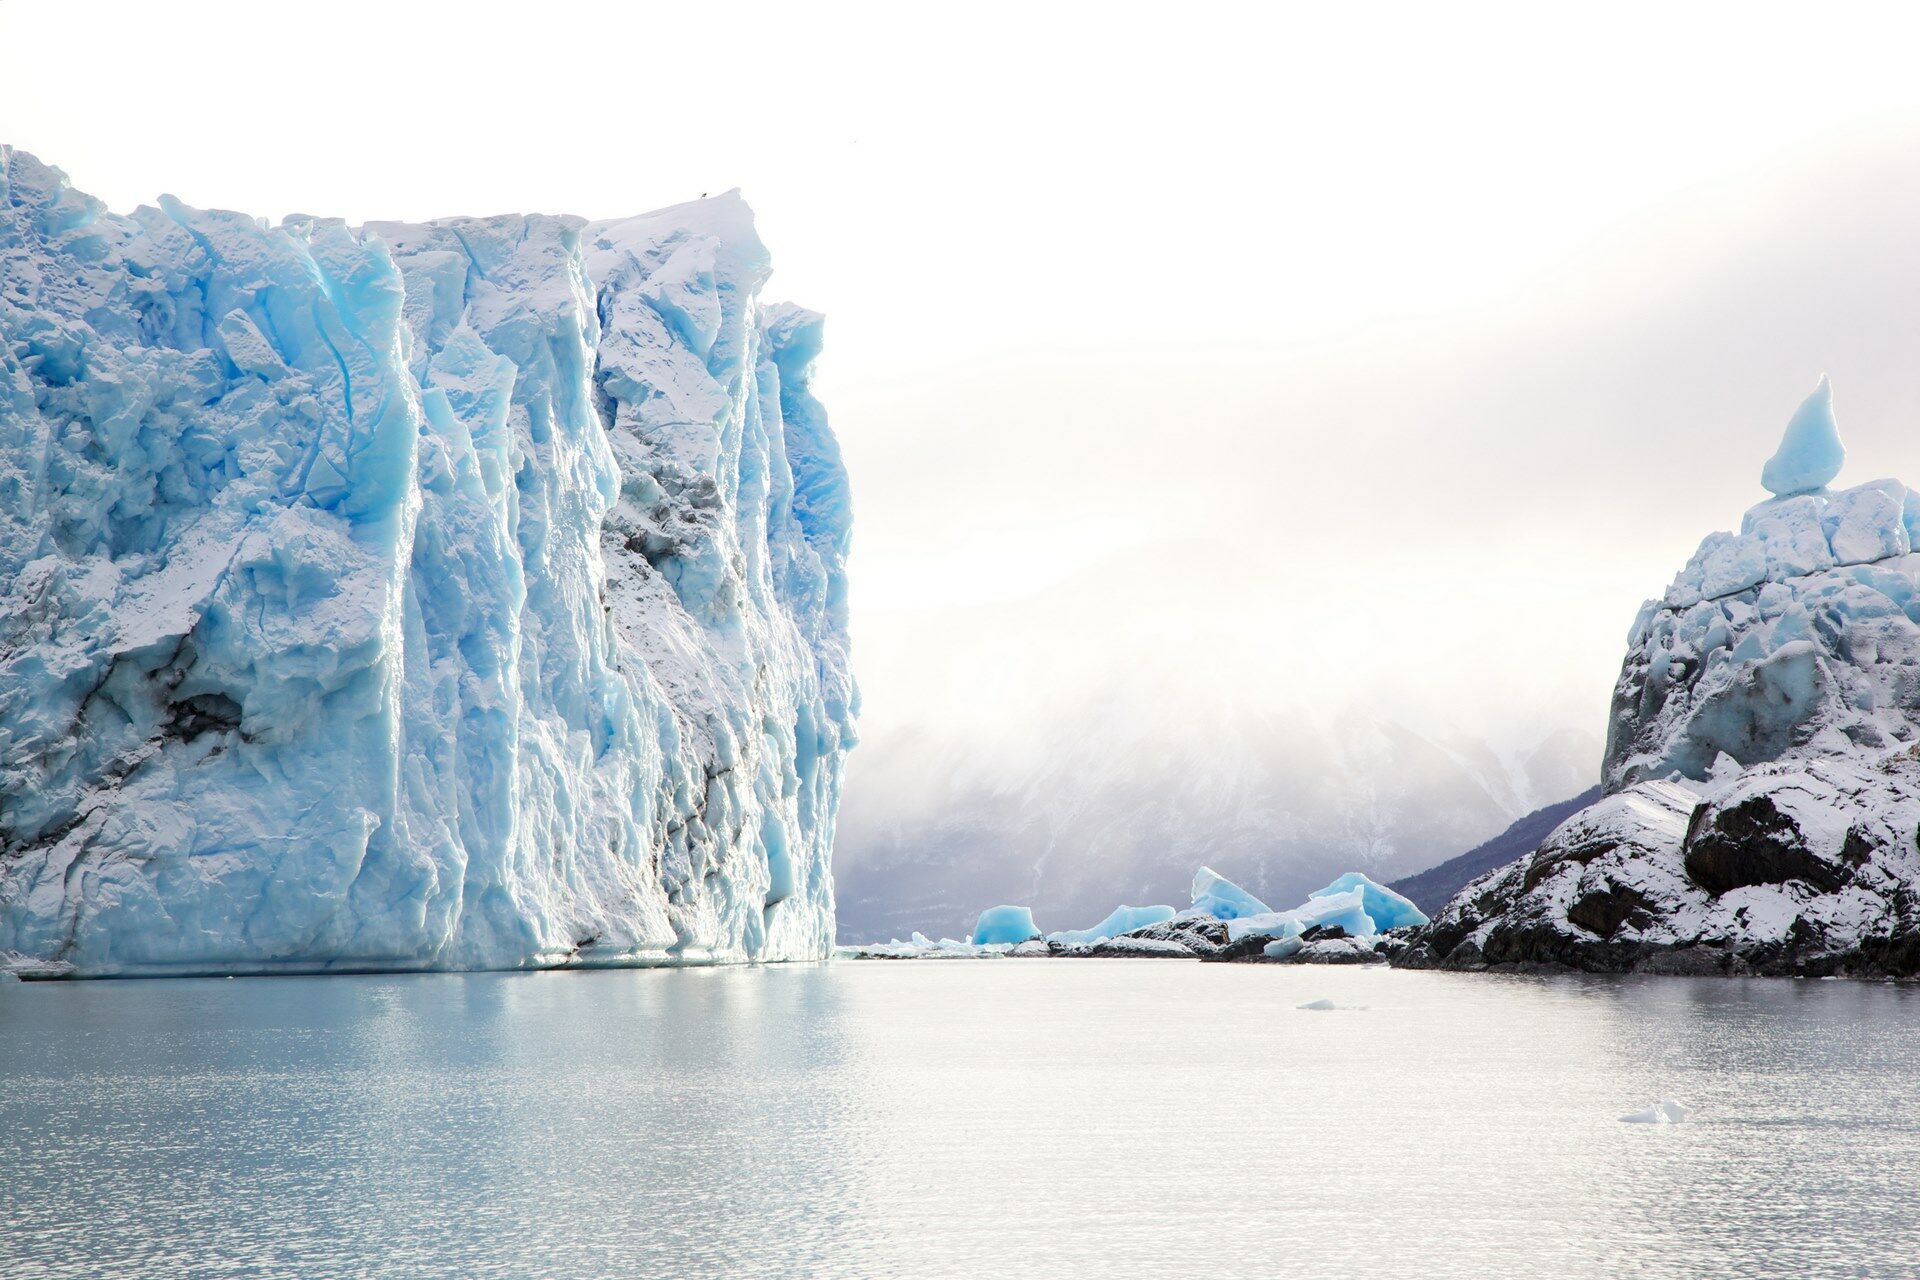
{"x":458,"y":595}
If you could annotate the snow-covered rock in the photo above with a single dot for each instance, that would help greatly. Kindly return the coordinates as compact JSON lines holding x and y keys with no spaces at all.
{"x":1763,"y":762}
{"x":459,"y":595}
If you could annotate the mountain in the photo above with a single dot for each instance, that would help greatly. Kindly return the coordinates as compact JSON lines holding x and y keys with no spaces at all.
{"x":1124,"y":795}
{"x":1433,"y":888}
{"x":1762,"y":775}
{"x":460,"y":595}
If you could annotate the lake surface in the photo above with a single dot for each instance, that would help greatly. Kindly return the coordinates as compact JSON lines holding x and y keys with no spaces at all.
{"x":957,"y":1118}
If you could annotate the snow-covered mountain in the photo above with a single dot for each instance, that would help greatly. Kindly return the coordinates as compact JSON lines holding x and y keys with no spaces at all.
{"x":1123,"y":796}
{"x":1763,"y":759}
{"x":455,"y":595}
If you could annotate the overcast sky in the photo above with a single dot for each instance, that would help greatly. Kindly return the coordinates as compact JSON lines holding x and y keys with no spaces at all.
{"x":1426,"y":339}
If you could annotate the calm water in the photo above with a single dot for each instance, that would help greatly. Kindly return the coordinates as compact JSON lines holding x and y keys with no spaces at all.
{"x":947,"y":1119}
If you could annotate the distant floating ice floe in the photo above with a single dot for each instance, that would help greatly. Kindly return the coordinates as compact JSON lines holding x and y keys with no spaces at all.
{"x":1668,"y":1112}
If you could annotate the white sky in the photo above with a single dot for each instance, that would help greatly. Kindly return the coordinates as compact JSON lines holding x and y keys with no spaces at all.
{"x":1435,"y":334}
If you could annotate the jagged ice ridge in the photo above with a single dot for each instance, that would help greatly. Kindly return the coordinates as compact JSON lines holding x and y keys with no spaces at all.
{"x":458,"y":595}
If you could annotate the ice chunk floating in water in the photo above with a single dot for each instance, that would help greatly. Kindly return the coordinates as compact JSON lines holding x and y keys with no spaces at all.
{"x":467,"y":594}
{"x":1004,"y":925}
{"x":1668,"y":1112}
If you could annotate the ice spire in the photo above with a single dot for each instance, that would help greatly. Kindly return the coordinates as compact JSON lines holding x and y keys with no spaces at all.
{"x":1810,"y":454}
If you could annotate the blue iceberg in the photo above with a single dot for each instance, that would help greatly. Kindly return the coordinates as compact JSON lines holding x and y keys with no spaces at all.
{"x":1221,"y":898}
{"x":1385,"y":908}
{"x":1120,"y":920}
{"x":1004,"y":925}
{"x":1330,"y":908}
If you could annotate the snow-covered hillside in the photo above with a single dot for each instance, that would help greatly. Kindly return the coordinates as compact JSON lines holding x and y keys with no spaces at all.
{"x":468,"y":594}
{"x":1763,"y":760}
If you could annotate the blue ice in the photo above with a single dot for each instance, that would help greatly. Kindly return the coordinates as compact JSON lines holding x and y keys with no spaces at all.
{"x":1120,"y":920}
{"x":1004,"y":924}
{"x":1810,"y":454}
{"x":1387,"y":909}
{"x":1222,"y":899}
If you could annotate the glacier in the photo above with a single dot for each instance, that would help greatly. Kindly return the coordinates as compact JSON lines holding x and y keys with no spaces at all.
{"x":1761,"y":785}
{"x":460,"y":595}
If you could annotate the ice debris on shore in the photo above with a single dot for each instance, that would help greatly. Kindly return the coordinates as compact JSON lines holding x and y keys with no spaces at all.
{"x":1341,"y":923}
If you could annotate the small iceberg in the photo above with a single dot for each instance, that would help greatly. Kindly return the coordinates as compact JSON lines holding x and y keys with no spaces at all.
{"x":1011,"y":925}
{"x":1318,"y":1006}
{"x":1339,"y":924}
{"x":1120,"y":920}
{"x":1222,"y":899}
{"x":1387,"y":909}
{"x":1668,"y":1112}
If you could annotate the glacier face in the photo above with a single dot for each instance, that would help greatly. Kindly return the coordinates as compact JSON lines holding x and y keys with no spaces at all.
{"x":458,"y":595}
{"x":1762,"y":776}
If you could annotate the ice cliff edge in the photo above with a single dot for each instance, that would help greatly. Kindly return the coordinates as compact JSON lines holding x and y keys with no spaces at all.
{"x":458,"y":595}
{"x":1762,"y":776}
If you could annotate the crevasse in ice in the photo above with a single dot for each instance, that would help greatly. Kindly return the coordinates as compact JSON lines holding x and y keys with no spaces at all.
{"x":468,"y":594}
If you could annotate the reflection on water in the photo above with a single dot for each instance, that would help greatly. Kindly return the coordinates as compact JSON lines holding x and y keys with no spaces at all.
{"x":956,"y":1118}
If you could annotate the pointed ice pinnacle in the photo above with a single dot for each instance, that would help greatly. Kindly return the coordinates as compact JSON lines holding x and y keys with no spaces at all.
{"x":1810,"y":454}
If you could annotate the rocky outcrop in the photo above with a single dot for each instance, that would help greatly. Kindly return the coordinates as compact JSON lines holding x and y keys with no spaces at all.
{"x":1763,"y":766}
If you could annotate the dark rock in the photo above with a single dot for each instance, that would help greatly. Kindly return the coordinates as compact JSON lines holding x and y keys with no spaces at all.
{"x":1139,"y":949}
{"x":1752,"y":842}
{"x":1202,"y":935}
{"x":1251,"y":947}
{"x":1604,"y":911}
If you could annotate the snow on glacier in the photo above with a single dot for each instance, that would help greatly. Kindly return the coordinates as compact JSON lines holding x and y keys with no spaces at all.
{"x":467,"y":594}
